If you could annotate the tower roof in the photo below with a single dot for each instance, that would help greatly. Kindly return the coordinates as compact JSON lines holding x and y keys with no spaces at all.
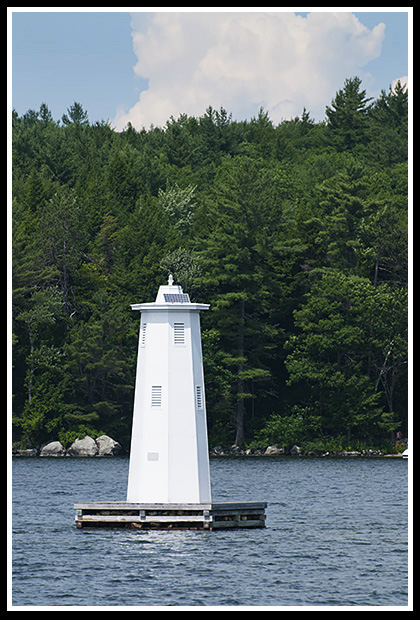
{"x":170,"y":297}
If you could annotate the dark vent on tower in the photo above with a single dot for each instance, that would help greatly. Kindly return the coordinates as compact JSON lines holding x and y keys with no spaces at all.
{"x":199,"y":396}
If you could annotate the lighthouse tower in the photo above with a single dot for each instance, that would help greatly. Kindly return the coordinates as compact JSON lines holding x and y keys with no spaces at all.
{"x":169,"y":473}
{"x":169,"y":460}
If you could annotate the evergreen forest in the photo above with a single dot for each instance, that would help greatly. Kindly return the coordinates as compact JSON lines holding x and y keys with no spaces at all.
{"x":295,"y":233}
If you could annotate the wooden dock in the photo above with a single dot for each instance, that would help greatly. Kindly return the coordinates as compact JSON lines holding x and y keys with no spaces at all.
{"x":212,"y":516}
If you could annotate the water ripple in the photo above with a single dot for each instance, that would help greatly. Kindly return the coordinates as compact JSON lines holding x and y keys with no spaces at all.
{"x":329,"y":541}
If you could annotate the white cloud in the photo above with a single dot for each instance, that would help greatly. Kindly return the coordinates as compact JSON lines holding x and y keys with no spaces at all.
{"x":403,"y":81}
{"x":242,"y":61}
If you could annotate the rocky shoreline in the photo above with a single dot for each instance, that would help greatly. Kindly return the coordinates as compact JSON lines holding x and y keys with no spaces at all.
{"x":106,"y":446}
{"x":297,"y":451}
{"x":102,"y":446}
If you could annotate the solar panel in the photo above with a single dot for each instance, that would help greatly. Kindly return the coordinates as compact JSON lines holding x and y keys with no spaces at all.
{"x":177,"y":298}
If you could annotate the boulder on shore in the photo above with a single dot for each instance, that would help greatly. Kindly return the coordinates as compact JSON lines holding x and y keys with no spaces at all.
{"x":54,"y":448}
{"x":107,"y":446}
{"x":102,"y":446}
{"x":83,"y":447}
{"x":273,"y":450}
{"x":296,"y":450}
{"x":26,"y":452}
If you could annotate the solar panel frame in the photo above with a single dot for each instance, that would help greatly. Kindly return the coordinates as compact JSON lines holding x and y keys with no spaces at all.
{"x":176,"y":298}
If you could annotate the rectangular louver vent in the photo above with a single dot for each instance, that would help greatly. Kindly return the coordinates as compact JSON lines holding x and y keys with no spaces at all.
{"x":156,"y":395}
{"x":143,"y":334}
{"x":199,"y":396}
{"x":179,"y":333}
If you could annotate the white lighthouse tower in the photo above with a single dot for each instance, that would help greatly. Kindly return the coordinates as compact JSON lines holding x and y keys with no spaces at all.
{"x":169,"y":459}
{"x":169,"y":474}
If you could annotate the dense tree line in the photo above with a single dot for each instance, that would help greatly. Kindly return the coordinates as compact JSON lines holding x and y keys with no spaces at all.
{"x":296,"y":234}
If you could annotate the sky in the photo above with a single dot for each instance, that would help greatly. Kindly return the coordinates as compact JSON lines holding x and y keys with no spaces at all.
{"x":144,"y":67}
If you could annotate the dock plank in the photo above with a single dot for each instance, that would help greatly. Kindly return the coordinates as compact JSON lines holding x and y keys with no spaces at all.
{"x":215,"y":515}
{"x":139,"y":519}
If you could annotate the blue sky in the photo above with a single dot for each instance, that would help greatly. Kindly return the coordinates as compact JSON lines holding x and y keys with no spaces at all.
{"x":145,"y":67}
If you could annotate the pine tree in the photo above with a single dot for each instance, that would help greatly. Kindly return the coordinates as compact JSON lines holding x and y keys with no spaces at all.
{"x":232,"y":256}
{"x":343,"y":203}
{"x":339,"y":333}
{"x":347,"y":116}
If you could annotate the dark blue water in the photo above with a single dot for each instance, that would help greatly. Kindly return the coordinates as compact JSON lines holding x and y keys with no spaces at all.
{"x":336,"y":535}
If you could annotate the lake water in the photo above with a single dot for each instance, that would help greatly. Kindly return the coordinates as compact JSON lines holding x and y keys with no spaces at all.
{"x":336,"y":535}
